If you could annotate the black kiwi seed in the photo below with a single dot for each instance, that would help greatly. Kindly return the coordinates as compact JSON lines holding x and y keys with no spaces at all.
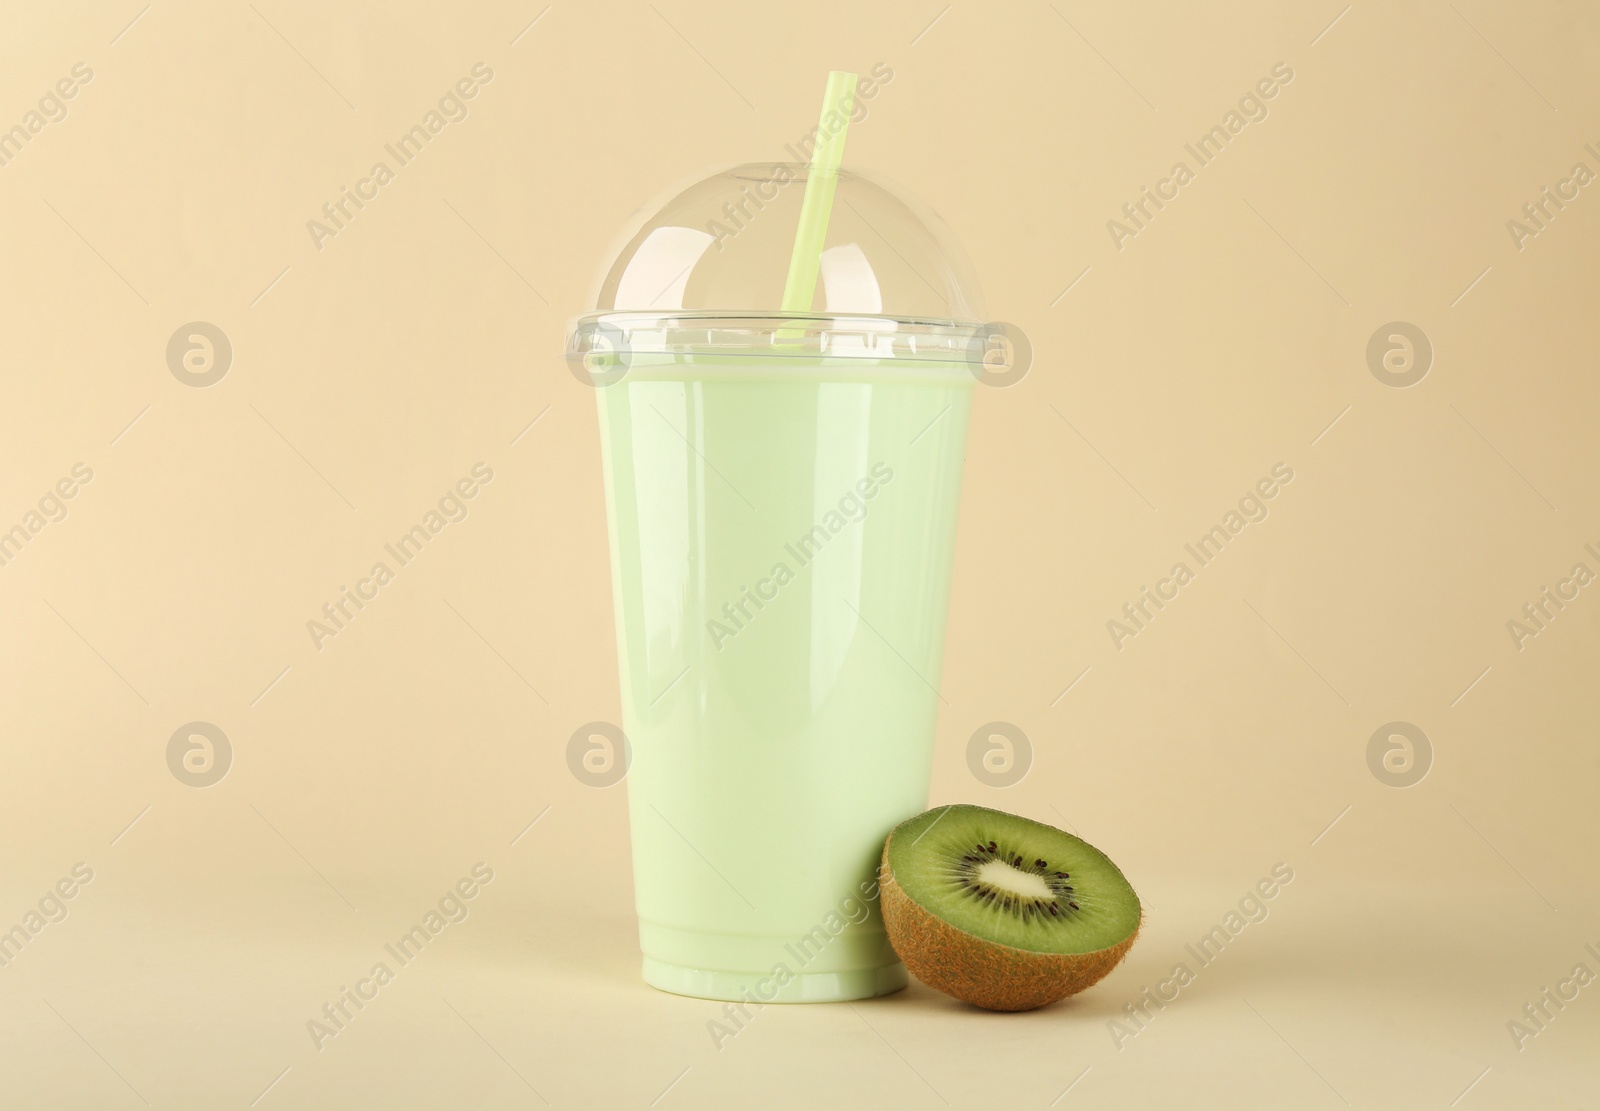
{"x":1038,"y":864}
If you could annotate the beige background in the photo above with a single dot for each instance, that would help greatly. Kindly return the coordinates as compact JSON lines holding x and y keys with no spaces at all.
{"x":370,"y":375}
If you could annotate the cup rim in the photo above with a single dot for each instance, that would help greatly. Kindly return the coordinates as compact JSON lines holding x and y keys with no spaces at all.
{"x":811,"y":336}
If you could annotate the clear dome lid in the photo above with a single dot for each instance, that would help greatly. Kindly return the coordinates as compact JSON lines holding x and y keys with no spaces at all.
{"x":701,"y":281}
{"x":723,"y":246}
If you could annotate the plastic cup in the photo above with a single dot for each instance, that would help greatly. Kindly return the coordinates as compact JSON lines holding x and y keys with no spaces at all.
{"x":782,"y":493}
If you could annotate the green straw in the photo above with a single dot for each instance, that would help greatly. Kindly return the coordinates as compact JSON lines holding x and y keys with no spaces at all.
{"x":817,"y":205}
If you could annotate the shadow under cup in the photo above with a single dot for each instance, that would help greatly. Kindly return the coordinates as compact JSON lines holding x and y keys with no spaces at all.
{"x":782,"y":497}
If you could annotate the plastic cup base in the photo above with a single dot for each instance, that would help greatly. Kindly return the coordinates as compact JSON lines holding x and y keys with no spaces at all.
{"x":763,"y":987}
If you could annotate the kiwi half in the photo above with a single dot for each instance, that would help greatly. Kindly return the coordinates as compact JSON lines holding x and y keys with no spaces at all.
{"x":1002,"y":911}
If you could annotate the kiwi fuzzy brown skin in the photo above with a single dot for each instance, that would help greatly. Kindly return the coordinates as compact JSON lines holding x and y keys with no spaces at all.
{"x":978,"y":971}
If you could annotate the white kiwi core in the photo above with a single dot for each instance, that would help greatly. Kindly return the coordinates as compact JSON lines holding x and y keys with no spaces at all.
{"x":1003,"y":877}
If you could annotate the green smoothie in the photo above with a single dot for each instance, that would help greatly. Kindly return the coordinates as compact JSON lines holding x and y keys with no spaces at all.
{"x":781,"y":542}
